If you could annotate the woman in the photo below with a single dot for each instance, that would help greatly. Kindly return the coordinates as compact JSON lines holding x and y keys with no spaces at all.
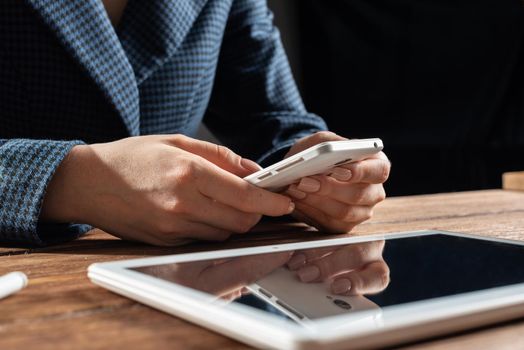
{"x":99,"y":101}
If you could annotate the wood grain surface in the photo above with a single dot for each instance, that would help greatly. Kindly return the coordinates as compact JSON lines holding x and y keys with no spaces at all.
{"x":61,"y":309}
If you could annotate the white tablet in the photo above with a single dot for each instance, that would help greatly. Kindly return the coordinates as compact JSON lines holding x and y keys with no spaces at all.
{"x":439,"y":282}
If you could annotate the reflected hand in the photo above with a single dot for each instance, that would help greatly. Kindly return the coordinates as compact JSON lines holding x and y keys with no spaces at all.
{"x":225,"y":278}
{"x":341,"y":200}
{"x":352,"y":269}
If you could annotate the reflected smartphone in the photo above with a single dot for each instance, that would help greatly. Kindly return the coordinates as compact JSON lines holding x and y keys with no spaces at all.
{"x":315,"y":160}
{"x":303,"y":302}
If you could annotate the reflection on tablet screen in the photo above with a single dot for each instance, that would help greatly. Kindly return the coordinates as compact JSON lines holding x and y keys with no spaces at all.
{"x":420,"y":267}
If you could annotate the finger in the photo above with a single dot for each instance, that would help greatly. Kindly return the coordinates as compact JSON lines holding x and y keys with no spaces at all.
{"x":231,"y":296}
{"x":348,"y":258}
{"x":371,"y":170}
{"x":201,"y":218}
{"x":309,"y":184}
{"x":303,"y":257}
{"x":219,"y":155}
{"x":379,"y":155}
{"x":308,"y":256}
{"x":241,"y":195}
{"x":337,"y":210}
{"x":293,"y":192}
{"x":324,"y":222}
{"x":242,"y":271}
{"x":213,"y":213}
{"x":340,"y":173}
{"x":354,"y":193}
{"x":373,"y":278}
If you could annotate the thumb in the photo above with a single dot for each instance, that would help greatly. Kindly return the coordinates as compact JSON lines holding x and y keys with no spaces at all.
{"x":221,"y":156}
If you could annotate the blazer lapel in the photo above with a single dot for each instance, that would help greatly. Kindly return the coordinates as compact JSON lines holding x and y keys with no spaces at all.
{"x":86,"y":32}
{"x":152,"y":31}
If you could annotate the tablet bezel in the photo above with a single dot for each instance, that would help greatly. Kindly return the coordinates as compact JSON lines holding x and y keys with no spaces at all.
{"x":399,"y":322}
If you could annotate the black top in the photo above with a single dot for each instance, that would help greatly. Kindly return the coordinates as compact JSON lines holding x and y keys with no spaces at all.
{"x":441,"y":82}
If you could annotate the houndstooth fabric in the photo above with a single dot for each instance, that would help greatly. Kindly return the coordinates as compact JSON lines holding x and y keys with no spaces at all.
{"x":67,"y":77}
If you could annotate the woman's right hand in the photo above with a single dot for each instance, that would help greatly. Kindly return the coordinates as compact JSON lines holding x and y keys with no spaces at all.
{"x":158,"y":189}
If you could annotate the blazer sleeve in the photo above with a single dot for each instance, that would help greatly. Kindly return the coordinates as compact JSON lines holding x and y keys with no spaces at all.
{"x":255,"y":107}
{"x":26,"y":167}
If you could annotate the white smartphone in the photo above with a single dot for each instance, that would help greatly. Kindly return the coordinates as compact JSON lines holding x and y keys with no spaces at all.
{"x":315,"y":160}
{"x":304,"y":303}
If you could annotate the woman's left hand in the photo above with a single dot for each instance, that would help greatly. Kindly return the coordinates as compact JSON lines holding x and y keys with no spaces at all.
{"x":345,"y":197}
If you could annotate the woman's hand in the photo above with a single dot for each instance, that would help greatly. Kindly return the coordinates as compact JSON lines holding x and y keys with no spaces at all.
{"x":339,"y":201}
{"x":158,"y":189}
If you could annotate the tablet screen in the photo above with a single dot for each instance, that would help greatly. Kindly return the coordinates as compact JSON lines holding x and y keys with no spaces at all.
{"x":320,"y":282}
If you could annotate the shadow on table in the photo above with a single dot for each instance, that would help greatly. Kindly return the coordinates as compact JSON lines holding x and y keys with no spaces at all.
{"x":97,"y":242}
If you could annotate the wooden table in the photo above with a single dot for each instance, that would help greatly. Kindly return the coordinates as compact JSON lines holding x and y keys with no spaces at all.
{"x":61,"y":309}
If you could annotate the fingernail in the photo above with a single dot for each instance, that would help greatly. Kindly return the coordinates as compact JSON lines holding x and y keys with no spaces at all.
{"x":296,"y":261}
{"x":293,"y":192}
{"x":341,"y":174}
{"x":308,"y":273}
{"x":308,"y":184}
{"x":249,"y":165}
{"x":341,"y":286}
{"x":291,"y":207}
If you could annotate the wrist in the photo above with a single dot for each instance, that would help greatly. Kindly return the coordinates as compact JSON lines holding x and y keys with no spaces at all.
{"x":64,"y":195}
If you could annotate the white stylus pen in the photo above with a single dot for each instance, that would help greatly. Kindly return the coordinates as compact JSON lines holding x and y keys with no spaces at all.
{"x":12,"y":283}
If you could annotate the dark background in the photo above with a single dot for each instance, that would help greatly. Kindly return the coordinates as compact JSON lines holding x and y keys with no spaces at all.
{"x":441,"y":82}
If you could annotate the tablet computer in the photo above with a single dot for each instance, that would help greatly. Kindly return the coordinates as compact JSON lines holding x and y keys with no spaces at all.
{"x":438,"y":282}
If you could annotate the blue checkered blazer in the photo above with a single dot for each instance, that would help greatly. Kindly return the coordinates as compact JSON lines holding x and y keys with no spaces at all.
{"x":67,"y":77}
